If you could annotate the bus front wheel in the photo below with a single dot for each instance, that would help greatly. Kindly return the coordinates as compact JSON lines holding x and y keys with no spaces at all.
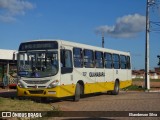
{"x":77,"y":92}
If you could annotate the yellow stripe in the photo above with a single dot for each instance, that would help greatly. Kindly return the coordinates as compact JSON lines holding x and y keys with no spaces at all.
{"x":126,"y":83}
{"x":69,"y":90}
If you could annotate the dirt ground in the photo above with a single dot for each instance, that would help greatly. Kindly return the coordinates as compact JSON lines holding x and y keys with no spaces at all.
{"x":153,"y":85}
{"x":126,"y":101}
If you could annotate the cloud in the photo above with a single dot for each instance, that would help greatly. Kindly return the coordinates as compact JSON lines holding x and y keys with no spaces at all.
{"x":126,"y":27}
{"x":12,"y":8}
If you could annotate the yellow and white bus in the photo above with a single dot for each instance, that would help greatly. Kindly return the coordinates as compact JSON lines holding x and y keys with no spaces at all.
{"x":58,"y":68}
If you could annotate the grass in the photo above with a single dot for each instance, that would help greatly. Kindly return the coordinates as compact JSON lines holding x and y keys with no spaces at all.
{"x":15,"y":105}
{"x":8,"y":104}
{"x":134,"y":87}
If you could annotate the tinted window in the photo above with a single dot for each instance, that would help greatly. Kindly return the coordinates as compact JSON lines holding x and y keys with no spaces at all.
{"x":88,"y":58}
{"x":66,"y":58}
{"x":77,"y":54}
{"x":116,"y":61}
{"x":128,"y":62}
{"x":108,"y":60}
{"x":99,"y":59}
{"x":123,"y":62}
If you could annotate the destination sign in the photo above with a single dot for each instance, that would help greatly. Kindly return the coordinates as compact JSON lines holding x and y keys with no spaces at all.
{"x":38,"y":45}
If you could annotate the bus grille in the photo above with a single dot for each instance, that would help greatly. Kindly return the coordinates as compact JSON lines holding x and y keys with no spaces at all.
{"x":36,"y":91}
{"x":36,"y":81}
{"x":37,"y":86}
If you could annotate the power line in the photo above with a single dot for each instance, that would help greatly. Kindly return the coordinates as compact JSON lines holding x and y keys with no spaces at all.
{"x":155,"y":23}
{"x":150,"y":3}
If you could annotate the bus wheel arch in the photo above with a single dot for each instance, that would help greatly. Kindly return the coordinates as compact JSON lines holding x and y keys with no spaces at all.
{"x":81,"y":86}
{"x":116,"y":87}
{"x":79,"y":90}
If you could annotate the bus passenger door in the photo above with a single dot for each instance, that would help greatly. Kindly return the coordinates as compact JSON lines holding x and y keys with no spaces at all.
{"x":66,"y":68}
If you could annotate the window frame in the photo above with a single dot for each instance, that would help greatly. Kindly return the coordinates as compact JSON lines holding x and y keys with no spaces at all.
{"x":116,"y":61}
{"x":128,"y":62}
{"x":99,"y":59}
{"x":108,"y":60}
{"x":64,"y":68}
{"x":123,"y":64}
{"x":92,"y":59}
{"x":78,"y":58}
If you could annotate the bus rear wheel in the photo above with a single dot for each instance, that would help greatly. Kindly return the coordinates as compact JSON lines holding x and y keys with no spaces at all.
{"x":116,"y":88}
{"x":77,"y":92}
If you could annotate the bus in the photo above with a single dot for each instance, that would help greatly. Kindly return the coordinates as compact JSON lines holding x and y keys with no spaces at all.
{"x":59,"y":68}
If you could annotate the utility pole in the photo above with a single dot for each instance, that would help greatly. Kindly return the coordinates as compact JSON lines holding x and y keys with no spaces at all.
{"x":101,"y":32}
{"x":102,"y":39}
{"x":158,"y":56}
{"x":147,"y":77}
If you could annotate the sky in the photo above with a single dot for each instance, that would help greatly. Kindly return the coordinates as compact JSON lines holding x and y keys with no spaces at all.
{"x":122,"y":22}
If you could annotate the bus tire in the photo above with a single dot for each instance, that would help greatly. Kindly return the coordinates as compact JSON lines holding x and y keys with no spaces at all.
{"x":20,"y":98}
{"x":116,"y":88}
{"x":44,"y":99}
{"x":77,"y":92}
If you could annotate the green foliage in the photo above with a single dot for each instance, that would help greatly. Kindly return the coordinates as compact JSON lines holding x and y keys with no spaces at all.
{"x":23,"y":105}
{"x":1,"y":100}
{"x":134,"y":87}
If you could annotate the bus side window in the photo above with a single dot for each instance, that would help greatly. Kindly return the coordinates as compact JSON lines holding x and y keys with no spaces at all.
{"x":116,"y":61}
{"x":66,"y":61}
{"x":78,"y":58}
{"x":123,"y":62}
{"x":108,"y":60}
{"x":99,"y":59}
{"x":128,"y":63}
{"x":88,"y":58}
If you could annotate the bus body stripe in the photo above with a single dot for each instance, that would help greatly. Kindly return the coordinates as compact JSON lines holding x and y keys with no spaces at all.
{"x":69,"y":90}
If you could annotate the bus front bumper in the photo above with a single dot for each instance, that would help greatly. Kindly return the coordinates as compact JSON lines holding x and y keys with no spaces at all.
{"x":35,"y":92}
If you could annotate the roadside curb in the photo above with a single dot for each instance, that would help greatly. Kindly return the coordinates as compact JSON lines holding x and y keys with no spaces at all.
{"x":153,"y":91}
{"x":141,"y":91}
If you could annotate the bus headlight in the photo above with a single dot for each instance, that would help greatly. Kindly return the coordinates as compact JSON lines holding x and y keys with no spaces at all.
{"x":18,"y":78}
{"x":20,"y":85}
{"x":53,"y":84}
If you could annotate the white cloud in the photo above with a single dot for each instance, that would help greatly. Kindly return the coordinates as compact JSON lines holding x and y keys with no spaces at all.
{"x":6,"y":18}
{"x":125,"y":27}
{"x":12,"y":8}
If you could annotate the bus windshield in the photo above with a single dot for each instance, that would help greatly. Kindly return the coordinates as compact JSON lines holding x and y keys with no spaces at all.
{"x":38,"y":64}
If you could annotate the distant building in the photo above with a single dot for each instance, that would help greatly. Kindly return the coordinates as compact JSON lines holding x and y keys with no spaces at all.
{"x":154,"y":74}
{"x":138,"y":74}
{"x":157,"y":69}
{"x":8,"y":67}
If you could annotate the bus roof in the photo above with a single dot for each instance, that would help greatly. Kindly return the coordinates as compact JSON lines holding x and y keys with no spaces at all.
{"x":85,"y":46}
{"x":80,"y":45}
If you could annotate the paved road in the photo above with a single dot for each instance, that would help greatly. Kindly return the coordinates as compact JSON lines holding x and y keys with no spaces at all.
{"x":125,"y":101}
